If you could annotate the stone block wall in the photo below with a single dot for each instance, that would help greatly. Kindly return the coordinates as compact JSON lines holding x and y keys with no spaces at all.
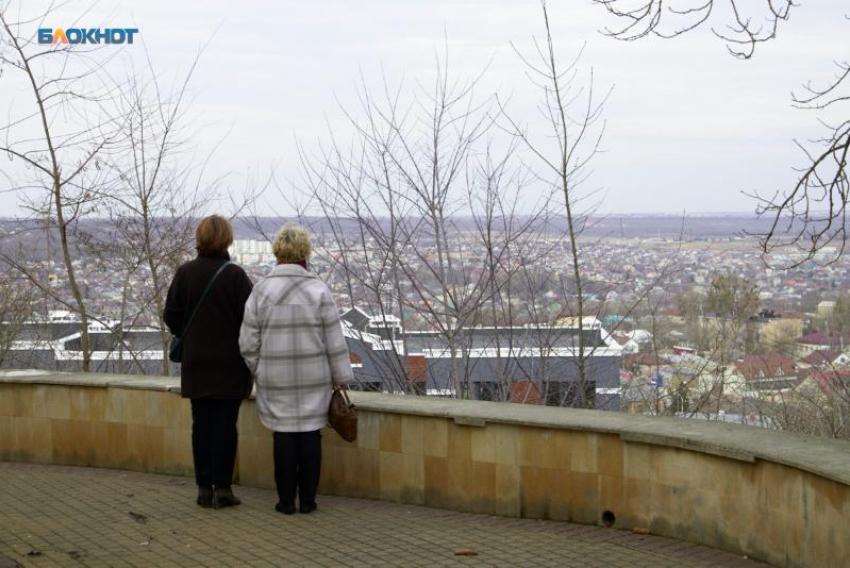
{"x":771,"y":496}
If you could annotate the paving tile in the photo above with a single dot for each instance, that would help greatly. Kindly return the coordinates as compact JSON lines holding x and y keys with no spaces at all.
{"x":81,"y":517}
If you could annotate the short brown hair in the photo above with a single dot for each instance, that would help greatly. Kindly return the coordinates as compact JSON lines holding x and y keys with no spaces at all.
{"x":214,"y":235}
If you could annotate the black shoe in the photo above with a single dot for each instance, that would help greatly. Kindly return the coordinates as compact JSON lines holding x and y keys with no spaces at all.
{"x":285,"y":509}
{"x":205,"y":497}
{"x":224,"y":497}
{"x":307,"y":508}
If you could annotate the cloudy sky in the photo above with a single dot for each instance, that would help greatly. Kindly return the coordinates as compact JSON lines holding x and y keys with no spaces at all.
{"x":688,"y":126}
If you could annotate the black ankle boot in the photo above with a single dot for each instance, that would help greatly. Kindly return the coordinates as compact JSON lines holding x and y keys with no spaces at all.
{"x":307,"y":508}
{"x":224,"y":497}
{"x":285,"y":509}
{"x":205,"y":496}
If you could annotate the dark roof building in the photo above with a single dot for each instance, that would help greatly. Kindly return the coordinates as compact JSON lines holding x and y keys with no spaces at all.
{"x":538,"y":364}
{"x":529,"y":363}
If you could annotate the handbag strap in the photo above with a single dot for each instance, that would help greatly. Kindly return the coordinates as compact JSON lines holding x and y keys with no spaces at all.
{"x":201,"y":299}
{"x":344,"y":393}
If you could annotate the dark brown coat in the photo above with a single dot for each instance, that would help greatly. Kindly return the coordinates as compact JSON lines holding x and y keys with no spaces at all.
{"x":212,"y":365}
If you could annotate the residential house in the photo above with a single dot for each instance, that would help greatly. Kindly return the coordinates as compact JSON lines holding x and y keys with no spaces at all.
{"x":822,"y":340}
{"x":763,"y":375}
{"x":825,"y":384}
{"x":824,"y":359}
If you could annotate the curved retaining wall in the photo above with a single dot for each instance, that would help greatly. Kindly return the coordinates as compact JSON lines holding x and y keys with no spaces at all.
{"x":777,"y":497}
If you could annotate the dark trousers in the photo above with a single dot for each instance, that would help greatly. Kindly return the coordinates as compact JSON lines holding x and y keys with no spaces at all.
{"x":214,"y":440}
{"x":297,"y":464}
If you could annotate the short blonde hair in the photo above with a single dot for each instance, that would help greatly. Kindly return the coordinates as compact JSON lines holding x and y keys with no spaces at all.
{"x":214,"y":235}
{"x":292,"y":244}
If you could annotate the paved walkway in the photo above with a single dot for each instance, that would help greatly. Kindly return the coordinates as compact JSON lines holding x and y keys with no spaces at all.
{"x":65,"y":516}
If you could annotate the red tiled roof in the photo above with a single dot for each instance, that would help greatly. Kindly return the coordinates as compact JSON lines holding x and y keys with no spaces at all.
{"x":820,"y":338}
{"x":630,"y":361}
{"x":827,"y":380}
{"x":769,"y":365}
{"x":821,"y":357}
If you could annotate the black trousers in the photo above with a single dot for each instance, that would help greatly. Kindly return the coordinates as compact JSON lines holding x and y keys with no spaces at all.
{"x":297,"y":464}
{"x":214,"y":439}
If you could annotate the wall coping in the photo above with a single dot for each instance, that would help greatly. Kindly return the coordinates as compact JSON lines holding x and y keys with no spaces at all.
{"x":822,"y":456}
{"x":141,"y":382}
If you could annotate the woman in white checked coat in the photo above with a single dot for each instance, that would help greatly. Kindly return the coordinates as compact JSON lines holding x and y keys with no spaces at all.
{"x":291,"y":339}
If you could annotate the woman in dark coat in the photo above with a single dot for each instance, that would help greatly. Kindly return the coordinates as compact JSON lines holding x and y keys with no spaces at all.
{"x":212,"y":373}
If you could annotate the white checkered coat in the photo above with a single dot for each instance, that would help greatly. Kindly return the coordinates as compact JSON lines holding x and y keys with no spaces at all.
{"x":291,"y":339}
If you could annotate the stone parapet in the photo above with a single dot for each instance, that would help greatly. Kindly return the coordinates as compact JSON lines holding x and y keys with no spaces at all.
{"x":772,"y":496}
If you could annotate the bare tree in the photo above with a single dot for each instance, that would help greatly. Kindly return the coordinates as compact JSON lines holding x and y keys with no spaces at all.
{"x":819,"y":406}
{"x":64,"y":139}
{"x":398,"y":203}
{"x":163,"y":192}
{"x":745,"y":24}
{"x":812,"y":214}
{"x":572,"y":115}
{"x":729,"y":303}
{"x":395,"y":202}
{"x":16,"y":299}
{"x":121,"y":150}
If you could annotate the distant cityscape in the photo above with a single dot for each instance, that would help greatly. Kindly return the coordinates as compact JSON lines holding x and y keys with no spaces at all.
{"x":654,"y":338}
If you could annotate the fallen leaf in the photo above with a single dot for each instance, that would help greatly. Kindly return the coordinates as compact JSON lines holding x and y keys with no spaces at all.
{"x":139,"y":518}
{"x":466,"y":552}
{"x":34,"y":553}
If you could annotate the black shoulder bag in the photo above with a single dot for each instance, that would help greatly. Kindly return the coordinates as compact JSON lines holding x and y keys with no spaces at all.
{"x":175,"y":350}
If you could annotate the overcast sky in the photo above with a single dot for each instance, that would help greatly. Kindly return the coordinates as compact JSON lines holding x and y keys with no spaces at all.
{"x":688,"y":126}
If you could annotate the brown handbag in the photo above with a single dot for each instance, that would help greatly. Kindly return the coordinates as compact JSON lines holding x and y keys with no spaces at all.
{"x":341,"y":415}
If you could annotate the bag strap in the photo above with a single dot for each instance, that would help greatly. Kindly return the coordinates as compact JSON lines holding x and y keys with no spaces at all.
{"x":203,"y":296}
{"x":344,"y":393}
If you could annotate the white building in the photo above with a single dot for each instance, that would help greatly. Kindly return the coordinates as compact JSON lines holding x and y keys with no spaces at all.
{"x":252,"y":252}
